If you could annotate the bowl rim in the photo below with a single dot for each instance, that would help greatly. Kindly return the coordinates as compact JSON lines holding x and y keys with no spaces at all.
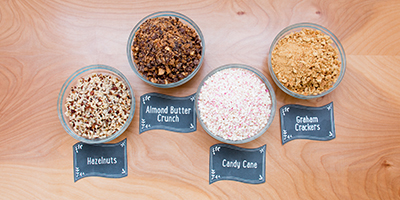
{"x":289,"y":29}
{"x":165,"y":14}
{"x":262,"y":77}
{"x":83,"y":72}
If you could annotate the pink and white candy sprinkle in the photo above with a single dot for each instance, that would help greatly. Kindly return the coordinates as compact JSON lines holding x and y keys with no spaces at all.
{"x":234,"y":104}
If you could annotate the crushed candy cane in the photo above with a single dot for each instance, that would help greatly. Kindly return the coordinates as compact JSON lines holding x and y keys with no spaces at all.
{"x":234,"y":104}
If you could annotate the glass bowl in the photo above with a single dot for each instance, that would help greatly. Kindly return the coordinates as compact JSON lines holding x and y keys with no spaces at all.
{"x":297,"y":28}
{"x":185,"y":20}
{"x":72,"y":81}
{"x":270,"y":91}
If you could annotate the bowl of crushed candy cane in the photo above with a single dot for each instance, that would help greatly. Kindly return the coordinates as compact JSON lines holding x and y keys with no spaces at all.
{"x":96,"y":104}
{"x":235,"y":103}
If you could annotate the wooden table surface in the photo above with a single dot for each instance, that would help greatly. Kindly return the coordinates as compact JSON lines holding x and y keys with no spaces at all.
{"x":43,"y":42}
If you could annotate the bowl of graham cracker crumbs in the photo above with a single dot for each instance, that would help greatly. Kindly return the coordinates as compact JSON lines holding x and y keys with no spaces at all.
{"x":166,"y":49}
{"x":96,"y":104}
{"x":306,"y":61}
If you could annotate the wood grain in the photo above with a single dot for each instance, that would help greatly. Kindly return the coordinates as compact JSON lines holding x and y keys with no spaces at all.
{"x":43,"y":42}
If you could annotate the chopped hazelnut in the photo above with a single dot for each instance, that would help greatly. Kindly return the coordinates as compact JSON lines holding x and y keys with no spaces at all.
{"x":102,"y":111}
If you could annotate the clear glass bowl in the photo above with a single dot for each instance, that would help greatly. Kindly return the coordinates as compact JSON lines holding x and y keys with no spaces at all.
{"x":297,"y":28}
{"x":262,"y":78}
{"x":186,"y":20}
{"x":72,"y":81}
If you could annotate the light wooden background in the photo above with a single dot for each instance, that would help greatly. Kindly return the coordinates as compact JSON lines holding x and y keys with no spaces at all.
{"x":43,"y":42}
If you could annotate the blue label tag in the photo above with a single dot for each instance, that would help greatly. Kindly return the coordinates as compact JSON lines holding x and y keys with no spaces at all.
{"x":303,"y":122}
{"x":159,"y":111}
{"x":228,"y":162}
{"x":103,"y":160}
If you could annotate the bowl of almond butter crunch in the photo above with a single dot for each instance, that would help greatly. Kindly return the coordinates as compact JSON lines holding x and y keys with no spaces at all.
{"x":306,"y":61}
{"x":166,"y":49}
{"x":96,"y":104}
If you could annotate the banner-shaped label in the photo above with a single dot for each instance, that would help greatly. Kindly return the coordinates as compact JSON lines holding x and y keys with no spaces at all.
{"x":303,"y":122}
{"x":159,"y":111}
{"x":104,"y":160}
{"x":228,"y":162}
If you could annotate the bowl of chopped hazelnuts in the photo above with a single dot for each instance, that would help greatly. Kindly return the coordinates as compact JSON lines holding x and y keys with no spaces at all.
{"x":166,"y":49}
{"x":96,"y":104}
